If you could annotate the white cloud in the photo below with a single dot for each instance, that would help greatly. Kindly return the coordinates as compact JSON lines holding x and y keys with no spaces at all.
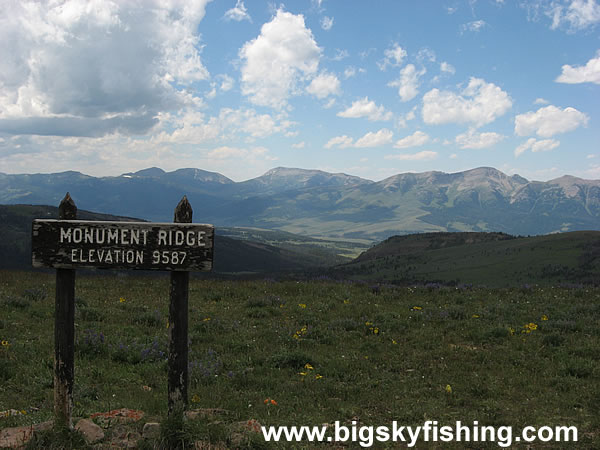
{"x":327,"y":23}
{"x":366,"y":108}
{"x":426,"y":55}
{"x":403,"y":119}
{"x":578,"y":15}
{"x":393,"y":56}
{"x":473,"y":140}
{"x":238,"y":12}
{"x":79,"y":68}
{"x":227,"y":153}
{"x":299,"y":145}
{"x":370,"y":139}
{"x":329,"y":104}
{"x":324,"y":85}
{"x":447,"y":68}
{"x":425,"y":155}
{"x":408,"y":83}
{"x":349,"y":72}
{"x":275,"y":62}
{"x":416,"y":139}
{"x":340,"y":141}
{"x":227,"y":82}
{"x":340,"y":55}
{"x":250,"y":155}
{"x":474,"y":26}
{"x":590,"y":73}
{"x":377,"y":139}
{"x":540,"y":101}
{"x":536,"y":146}
{"x":548,"y":121}
{"x":479,"y":103}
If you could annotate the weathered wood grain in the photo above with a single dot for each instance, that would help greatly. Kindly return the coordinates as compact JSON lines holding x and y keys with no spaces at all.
{"x":64,"y":333}
{"x":178,"y":328}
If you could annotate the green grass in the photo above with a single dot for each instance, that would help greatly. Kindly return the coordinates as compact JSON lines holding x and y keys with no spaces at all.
{"x":375,"y":358}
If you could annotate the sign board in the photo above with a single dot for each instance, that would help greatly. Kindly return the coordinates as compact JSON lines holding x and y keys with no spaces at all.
{"x":70,"y":244}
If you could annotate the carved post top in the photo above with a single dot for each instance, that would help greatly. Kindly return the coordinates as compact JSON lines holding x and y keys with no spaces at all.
{"x":183,"y":211}
{"x":67,"y":209}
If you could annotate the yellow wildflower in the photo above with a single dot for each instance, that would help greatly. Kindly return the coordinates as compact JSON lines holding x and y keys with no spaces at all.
{"x":195,"y":399}
{"x":449,"y":389}
{"x":417,"y":308}
{"x":346,"y":302}
{"x":302,"y":305}
{"x":308,"y":366}
{"x":475,"y":316}
{"x":122,"y":300}
{"x":5,"y":343}
{"x":544,"y":317}
{"x":303,"y":373}
{"x":206,"y":319}
{"x":318,"y":377}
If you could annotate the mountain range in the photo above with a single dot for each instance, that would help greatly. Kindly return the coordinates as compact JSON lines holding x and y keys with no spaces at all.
{"x":322,"y":204}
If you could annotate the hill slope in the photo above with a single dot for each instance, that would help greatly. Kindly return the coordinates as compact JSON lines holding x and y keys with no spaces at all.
{"x":492,"y":259}
{"x":230,"y":255}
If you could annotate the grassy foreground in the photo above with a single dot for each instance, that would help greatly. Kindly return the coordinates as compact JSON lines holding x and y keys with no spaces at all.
{"x":323,"y":351}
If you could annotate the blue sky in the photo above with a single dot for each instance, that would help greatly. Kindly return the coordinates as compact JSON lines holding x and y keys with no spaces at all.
{"x":369,"y":88}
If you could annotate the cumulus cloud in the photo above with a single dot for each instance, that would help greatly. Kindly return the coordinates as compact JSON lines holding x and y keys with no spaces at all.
{"x":276,"y":61}
{"x":473,"y":140}
{"x":416,"y":139}
{"x":324,"y":85}
{"x":89,"y":68}
{"x":340,"y":141}
{"x":590,"y":73}
{"x":536,"y":146}
{"x":393,"y":56}
{"x":238,"y":12}
{"x":377,"y":139}
{"x":479,"y":103}
{"x":447,"y":68}
{"x":548,"y":121}
{"x":366,"y":108}
{"x":408,"y":83}
{"x":425,"y":155}
{"x":370,"y":139}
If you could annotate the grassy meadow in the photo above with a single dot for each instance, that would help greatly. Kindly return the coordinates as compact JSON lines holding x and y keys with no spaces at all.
{"x":322,"y":350}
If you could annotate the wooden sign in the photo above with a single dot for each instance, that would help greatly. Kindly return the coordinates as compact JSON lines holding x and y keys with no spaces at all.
{"x":70,"y":244}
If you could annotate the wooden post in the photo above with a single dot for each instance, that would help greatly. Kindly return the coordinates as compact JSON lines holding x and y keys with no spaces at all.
{"x":64,"y":332}
{"x":178,"y":327}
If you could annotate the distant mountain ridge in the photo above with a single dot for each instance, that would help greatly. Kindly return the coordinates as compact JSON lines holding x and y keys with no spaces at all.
{"x":318,"y":203}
